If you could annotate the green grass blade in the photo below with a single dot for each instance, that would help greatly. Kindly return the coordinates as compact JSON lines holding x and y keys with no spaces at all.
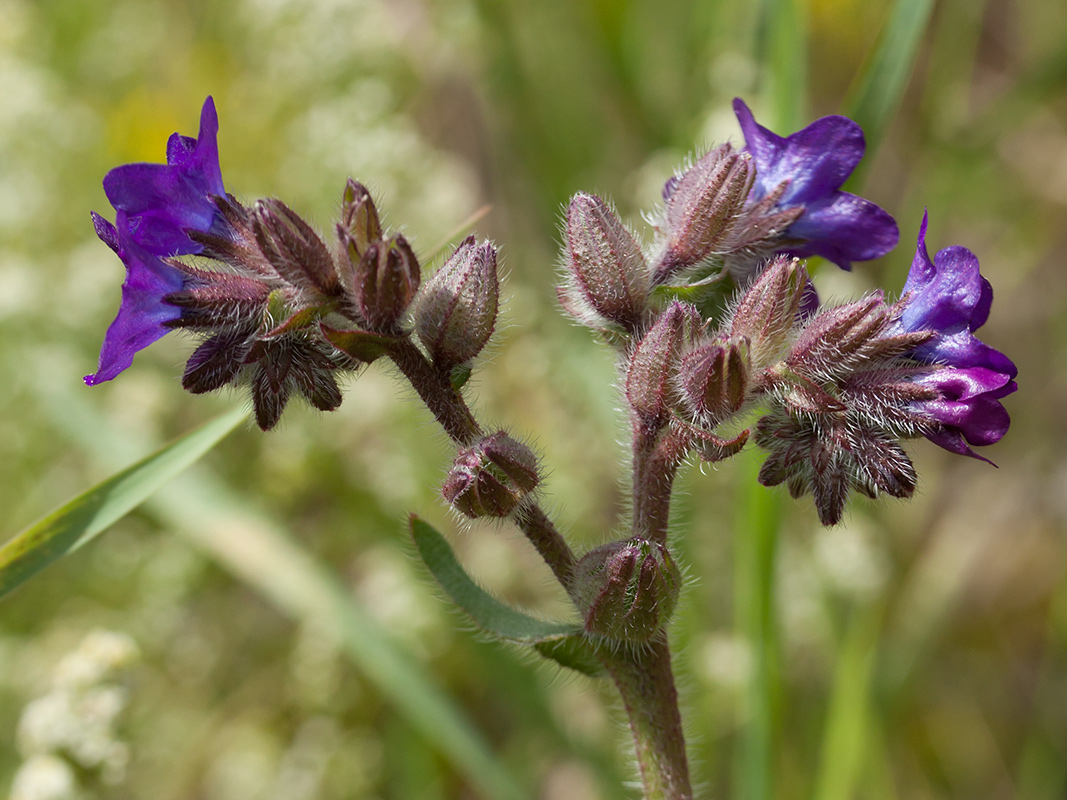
{"x":92,"y":512}
{"x":879,"y":88}
{"x":785,"y":58}
{"x":488,"y":613}
{"x":259,"y":552}
{"x":755,"y":548}
{"x":845,"y":739}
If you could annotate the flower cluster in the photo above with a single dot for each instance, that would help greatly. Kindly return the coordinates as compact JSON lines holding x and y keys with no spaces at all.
{"x":841,"y":386}
{"x":276,"y":308}
{"x":273,"y":305}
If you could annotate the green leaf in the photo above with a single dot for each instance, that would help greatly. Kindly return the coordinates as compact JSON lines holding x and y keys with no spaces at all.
{"x":573,"y":652}
{"x":92,"y":512}
{"x":257,"y":550}
{"x":488,"y":613}
{"x":878,"y":89}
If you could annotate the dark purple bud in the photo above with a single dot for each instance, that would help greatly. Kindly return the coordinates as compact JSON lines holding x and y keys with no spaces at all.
{"x":653,"y":365}
{"x":701,"y":205}
{"x":713,"y":378}
{"x":626,"y":591}
{"x":386,"y":281}
{"x":218,"y":299}
{"x":293,"y":248}
{"x":456,"y":310}
{"x":217,"y":361}
{"x":768,"y":310}
{"x":290,"y":362}
{"x":607,"y":276}
{"x":492,"y":477}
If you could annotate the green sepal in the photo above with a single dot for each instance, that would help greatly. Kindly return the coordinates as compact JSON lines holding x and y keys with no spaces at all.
{"x":460,"y":374}
{"x":360,"y":345}
{"x":574,"y":652}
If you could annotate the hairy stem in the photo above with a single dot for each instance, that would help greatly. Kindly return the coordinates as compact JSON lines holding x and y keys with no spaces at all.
{"x":437,"y":392}
{"x":450,"y":409}
{"x":645,"y":681}
{"x":657,"y":455}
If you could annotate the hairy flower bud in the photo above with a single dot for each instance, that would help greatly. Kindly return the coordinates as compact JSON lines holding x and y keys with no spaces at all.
{"x":293,"y":248}
{"x":701,"y":205}
{"x":626,"y":591}
{"x":456,"y":310}
{"x":651,"y":370}
{"x":490,"y":478}
{"x":359,"y":216}
{"x":387,"y":278}
{"x":768,"y":310}
{"x":713,"y":378}
{"x":606,"y":270}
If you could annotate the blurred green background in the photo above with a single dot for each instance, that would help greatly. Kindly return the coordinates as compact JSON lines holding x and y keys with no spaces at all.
{"x":917,"y":651}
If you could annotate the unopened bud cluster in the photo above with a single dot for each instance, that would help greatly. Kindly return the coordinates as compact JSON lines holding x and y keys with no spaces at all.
{"x":626,"y":591}
{"x":491,"y":478}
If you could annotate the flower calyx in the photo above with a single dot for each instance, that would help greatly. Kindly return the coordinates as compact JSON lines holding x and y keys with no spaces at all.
{"x":491,"y":478}
{"x":627,"y":590}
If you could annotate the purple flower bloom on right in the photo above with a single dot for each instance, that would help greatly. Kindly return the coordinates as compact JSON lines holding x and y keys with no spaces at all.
{"x":949,"y":296}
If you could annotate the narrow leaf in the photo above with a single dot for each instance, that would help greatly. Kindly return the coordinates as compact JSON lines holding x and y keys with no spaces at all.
{"x":92,"y":512}
{"x":258,"y":551}
{"x":880,"y":86}
{"x":488,"y":613}
{"x":573,"y":652}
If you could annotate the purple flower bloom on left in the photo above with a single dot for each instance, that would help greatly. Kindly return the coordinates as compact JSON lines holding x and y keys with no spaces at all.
{"x":156,"y":205}
{"x":808,"y":168}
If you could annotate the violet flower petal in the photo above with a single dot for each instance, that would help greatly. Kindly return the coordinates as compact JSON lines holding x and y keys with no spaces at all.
{"x":162,"y":201}
{"x":813,"y":163}
{"x":142,"y":314}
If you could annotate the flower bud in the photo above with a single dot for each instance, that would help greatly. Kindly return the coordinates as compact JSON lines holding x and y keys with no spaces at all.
{"x":606,"y":270}
{"x":767,"y":311}
{"x":713,"y":378}
{"x":386,"y":281}
{"x":359,"y":216}
{"x":293,"y":248}
{"x":651,"y":370}
{"x":701,"y":205}
{"x":490,"y":478}
{"x":456,"y":310}
{"x":841,"y":338}
{"x":626,"y":591}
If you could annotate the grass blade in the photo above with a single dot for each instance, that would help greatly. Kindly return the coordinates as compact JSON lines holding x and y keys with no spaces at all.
{"x":845,"y":739}
{"x":755,"y":548}
{"x":259,"y":552}
{"x":879,"y":88}
{"x":92,"y":512}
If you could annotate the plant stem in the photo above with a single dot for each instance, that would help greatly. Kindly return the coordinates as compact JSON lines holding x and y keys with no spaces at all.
{"x":657,"y":454}
{"x":437,"y":392}
{"x":450,"y":409}
{"x":645,"y":681}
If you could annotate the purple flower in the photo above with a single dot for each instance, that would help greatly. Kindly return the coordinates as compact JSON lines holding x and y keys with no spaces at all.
{"x":806,"y":170}
{"x":155,"y":207}
{"x":163,"y":201}
{"x":950,"y":297}
{"x":143,"y":314}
